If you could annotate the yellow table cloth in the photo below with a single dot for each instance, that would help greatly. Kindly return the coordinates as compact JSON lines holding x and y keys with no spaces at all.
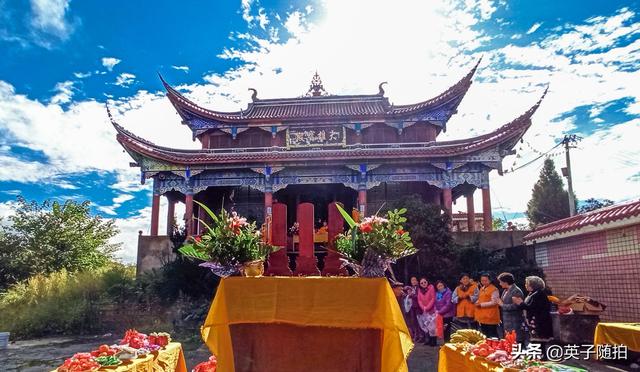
{"x":452,"y":360}
{"x":169,"y":359}
{"x":326,"y":302}
{"x":618,"y":334}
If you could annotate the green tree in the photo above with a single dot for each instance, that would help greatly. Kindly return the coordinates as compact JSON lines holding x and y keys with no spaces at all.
{"x":549,"y":200}
{"x":429,"y":229}
{"x":593,"y":204}
{"x":48,"y":237}
{"x":499,"y":224}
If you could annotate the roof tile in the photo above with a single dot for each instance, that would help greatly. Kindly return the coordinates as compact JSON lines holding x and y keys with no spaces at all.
{"x":598,"y":217}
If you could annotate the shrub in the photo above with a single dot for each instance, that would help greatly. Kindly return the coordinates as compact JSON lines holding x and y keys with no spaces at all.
{"x":62,"y":302}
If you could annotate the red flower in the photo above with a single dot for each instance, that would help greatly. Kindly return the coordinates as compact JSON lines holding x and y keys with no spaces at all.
{"x":366,"y":227}
{"x":197,"y":238}
{"x":399,"y":231}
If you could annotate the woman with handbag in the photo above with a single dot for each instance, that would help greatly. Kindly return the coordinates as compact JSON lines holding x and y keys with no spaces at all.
{"x":427,"y":319}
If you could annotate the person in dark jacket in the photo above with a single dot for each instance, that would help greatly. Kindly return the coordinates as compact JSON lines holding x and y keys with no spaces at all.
{"x":537,"y":310}
{"x":511,"y":314}
{"x":412,"y":317}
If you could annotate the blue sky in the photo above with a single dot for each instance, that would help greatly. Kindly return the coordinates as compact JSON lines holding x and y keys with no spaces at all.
{"x":61,"y":60}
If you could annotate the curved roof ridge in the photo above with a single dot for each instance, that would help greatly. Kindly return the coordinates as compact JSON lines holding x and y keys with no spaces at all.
{"x":121,"y":131}
{"x":505,"y":134}
{"x":457,"y":89}
{"x":178,"y":99}
{"x":519,"y":124}
{"x":335,"y":106}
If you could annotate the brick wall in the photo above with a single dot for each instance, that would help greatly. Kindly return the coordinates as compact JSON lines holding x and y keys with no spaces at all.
{"x":603,"y":265}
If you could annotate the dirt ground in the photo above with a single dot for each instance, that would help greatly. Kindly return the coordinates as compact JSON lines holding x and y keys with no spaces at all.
{"x":48,"y":353}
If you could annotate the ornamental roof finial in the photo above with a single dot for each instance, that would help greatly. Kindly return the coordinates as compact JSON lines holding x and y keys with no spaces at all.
{"x":316,"y":89}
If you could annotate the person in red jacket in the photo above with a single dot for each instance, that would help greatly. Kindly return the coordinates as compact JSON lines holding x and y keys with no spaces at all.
{"x":426,"y":302}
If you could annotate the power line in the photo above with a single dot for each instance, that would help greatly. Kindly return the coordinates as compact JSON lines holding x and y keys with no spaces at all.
{"x":536,"y":158}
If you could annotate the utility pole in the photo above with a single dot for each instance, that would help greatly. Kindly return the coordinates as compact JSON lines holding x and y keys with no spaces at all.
{"x":569,"y":141}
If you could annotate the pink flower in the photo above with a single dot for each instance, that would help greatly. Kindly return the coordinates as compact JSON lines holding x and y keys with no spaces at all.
{"x":236,"y":223}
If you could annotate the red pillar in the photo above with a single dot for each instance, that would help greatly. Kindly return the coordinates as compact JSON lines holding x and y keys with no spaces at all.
{"x":188,"y":214}
{"x":155,"y":214}
{"x":486,"y":209}
{"x":471,"y":214}
{"x":278,"y":263}
{"x":171,"y":215}
{"x":306,"y":262}
{"x":332,"y":263}
{"x":447,"y":201}
{"x":362,"y":202}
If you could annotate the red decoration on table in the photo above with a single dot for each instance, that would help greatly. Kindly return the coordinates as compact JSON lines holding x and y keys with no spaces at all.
{"x":80,"y":362}
{"x":209,"y":366}
{"x":134,"y":339}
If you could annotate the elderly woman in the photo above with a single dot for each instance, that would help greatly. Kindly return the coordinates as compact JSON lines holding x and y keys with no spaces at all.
{"x":537,"y":309}
{"x":511,"y":313}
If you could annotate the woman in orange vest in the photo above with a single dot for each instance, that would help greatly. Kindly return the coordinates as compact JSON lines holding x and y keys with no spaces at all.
{"x":487,"y":310}
{"x":464,"y":296}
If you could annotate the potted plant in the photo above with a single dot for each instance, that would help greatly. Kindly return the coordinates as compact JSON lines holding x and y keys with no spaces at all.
{"x":230,"y":244}
{"x":372,"y":245}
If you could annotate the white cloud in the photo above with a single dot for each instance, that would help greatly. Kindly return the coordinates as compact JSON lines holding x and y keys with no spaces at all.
{"x":263,"y":20}
{"x":534,"y":27}
{"x":7,"y":209}
{"x":78,"y":138}
{"x":49,"y":17}
{"x":125,"y":79}
{"x":64,"y":92}
{"x":437,"y":42}
{"x":246,"y":11}
{"x":181,"y":68}
{"x":261,"y":17}
{"x":295,"y":24}
{"x":82,"y":75}
{"x":110,"y":62}
{"x":14,"y":169}
{"x":595,"y":33}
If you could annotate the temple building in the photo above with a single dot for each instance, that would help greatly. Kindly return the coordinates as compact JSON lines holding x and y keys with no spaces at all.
{"x":359,"y":150}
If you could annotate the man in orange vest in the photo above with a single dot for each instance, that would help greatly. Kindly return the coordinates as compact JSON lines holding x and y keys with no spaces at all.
{"x":487,"y":311}
{"x":464,"y":296}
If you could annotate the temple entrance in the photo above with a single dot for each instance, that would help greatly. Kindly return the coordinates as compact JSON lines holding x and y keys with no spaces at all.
{"x":318,"y":195}
{"x":305,"y":222}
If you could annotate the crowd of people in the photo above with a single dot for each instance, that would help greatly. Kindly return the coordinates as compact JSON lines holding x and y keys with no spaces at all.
{"x":492,"y":309}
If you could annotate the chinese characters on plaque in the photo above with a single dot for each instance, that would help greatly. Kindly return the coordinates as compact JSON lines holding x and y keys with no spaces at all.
{"x":316,"y":137}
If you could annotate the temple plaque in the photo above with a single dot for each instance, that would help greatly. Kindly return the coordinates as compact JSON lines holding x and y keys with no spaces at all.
{"x":316,"y":137}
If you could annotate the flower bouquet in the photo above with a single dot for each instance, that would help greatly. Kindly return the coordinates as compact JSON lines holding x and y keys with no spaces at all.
{"x":372,"y":245}
{"x":229,"y":245}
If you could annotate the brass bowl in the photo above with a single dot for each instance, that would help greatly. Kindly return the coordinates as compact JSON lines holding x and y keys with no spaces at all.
{"x":253,"y":269}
